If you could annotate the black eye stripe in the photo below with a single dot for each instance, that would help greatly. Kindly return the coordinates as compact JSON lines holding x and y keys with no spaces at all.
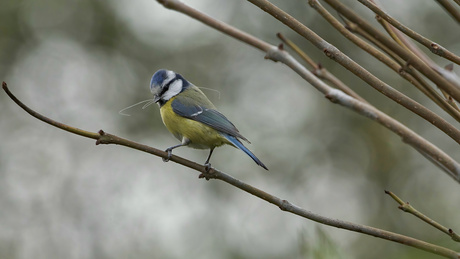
{"x":164,"y":89}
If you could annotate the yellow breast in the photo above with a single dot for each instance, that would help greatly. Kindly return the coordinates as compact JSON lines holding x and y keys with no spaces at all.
{"x":200,"y":135}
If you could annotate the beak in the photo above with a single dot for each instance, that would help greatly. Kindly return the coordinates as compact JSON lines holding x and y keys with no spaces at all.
{"x":156,"y":98}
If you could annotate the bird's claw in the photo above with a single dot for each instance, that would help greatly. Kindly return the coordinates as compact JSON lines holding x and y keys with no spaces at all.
{"x":169,"y":155}
{"x":205,"y":175}
{"x":207,"y":167}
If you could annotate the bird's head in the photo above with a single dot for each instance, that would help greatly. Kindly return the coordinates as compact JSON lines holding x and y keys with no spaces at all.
{"x":166,"y":84}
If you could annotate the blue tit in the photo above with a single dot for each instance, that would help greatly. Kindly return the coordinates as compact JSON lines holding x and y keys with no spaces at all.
{"x":192,"y":118}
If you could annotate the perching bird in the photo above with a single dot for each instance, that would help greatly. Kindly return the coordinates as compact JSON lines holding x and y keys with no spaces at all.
{"x":191,"y":117}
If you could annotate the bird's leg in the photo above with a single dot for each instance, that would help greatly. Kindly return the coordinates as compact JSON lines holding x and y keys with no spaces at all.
{"x":185,"y":142}
{"x":207,"y":164}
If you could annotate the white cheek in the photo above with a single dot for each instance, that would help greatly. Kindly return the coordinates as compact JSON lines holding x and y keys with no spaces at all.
{"x":170,"y":75}
{"x":174,"y":89}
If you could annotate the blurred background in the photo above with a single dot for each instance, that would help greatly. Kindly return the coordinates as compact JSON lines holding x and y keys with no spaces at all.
{"x":80,"y":62}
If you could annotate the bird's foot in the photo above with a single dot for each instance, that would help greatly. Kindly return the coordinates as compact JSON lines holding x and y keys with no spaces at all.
{"x":169,"y":155}
{"x":207,"y":167}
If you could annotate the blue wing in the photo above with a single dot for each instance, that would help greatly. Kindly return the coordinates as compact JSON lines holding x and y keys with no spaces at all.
{"x":184,"y":107}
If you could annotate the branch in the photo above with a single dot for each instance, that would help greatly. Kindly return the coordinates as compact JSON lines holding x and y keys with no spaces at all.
{"x":101,"y":137}
{"x":406,"y":207}
{"x":442,"y":81}
{"x":450,"y":9}
{"x":390,"y":62}
{"x":336,"y":55}
{"x":284,"y":205}
{"x":431,"y":45}
{"x":447,"y":103}
{"x":404,"y":41}
{"x":319,"y":70}
{"x":412,"y":77}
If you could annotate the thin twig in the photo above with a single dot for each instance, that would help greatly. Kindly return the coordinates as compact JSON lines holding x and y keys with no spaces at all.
{"x":450,"y":9}
{"x":404,"y":41}
{"x":299,"y":51}
{"x":415,"y":78}
{"x":284,"y":205}
{"x":449,"y":68}
{"x":319,"y":70}
{"x":444,"y":81}
{"x":408,"y":44}
{"x":406,"y":207}
{"x":431,"y":45}
{"x":353,"y":27}
{"x":62,"y":126}
{"x":447,"y":104}
{"x":391,"y":63}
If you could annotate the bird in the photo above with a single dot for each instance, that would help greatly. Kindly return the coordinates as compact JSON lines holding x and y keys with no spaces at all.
{"x":192,"y":118}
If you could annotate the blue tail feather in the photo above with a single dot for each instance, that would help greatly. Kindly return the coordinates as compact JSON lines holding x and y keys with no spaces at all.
{"x":240,"y":146}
